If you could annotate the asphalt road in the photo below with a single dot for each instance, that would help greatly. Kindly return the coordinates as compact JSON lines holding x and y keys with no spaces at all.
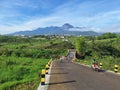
{"x":67,"y":75}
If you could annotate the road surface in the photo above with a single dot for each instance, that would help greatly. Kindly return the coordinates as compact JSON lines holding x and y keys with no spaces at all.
{"x":67,"y":75}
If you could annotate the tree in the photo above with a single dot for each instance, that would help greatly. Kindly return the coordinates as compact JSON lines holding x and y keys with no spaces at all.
{"x":107,"y":36}
{"x":80,"y":45}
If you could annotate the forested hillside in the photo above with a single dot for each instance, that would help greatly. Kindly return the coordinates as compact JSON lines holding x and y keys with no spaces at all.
{"x":104,"y":48}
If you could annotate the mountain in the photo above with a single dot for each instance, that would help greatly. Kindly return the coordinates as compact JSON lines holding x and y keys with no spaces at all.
{"x":65,"y":29}
{"x":66,"y":26}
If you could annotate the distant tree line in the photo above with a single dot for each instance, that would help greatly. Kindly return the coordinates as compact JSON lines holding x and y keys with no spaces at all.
{"x":107,"y":36}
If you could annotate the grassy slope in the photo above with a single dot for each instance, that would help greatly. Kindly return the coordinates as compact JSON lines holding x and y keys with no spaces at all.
{"x":16,"y":70}
{"x":21,"y":72}
{"x":107,"y":60}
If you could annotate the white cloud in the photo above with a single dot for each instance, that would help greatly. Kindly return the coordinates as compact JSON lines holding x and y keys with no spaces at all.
{"x":112,"y":28}
{"x":29,"y":25}
{"x":55,"y":19}
{"x":13,"y":4}
{"x":78,"y":14}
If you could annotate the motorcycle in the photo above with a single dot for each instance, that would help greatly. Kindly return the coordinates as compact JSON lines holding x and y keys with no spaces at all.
{"x":95,"y":67}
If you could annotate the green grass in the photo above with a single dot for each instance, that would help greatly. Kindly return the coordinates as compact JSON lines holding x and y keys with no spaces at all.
{"x":15,"y":71}
{"x":108,"y":62}
{"x":21,"y":60}
{"x":105,"y":51}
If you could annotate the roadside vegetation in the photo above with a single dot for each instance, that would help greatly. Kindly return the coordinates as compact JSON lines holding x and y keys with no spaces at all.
{"x":22,"y":58}
{"x":18,"y":70}
{"x":104,"y":48}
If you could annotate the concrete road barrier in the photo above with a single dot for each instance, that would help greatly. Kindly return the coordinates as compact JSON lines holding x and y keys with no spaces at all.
{"x":43,"y":72}
{"x":115,"y":68}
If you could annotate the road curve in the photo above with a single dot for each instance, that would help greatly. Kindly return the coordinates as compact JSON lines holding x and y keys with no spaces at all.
{"x":67,"y":75}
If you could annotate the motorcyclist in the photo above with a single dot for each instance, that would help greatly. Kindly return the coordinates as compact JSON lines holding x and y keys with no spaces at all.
{"x":94,"y":63}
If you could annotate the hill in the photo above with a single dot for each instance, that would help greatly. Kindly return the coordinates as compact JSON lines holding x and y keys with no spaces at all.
{"x":65,"y":29}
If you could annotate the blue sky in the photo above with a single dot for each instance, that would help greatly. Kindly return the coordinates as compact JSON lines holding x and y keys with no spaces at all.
{"x":19,"y":15}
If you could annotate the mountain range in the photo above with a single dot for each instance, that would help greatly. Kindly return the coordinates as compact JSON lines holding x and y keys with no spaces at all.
{"x":65,"y":29}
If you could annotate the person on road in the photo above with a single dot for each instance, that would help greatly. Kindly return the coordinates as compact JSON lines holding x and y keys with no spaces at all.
{"x":60,"y":59}
{"x":94,"y":63}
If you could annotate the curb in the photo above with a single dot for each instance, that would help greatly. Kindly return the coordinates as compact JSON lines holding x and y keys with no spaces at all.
{"x":45,"y":87}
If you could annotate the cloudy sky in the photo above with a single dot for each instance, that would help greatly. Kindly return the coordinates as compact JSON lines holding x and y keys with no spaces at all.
{"x":19,"y":15}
